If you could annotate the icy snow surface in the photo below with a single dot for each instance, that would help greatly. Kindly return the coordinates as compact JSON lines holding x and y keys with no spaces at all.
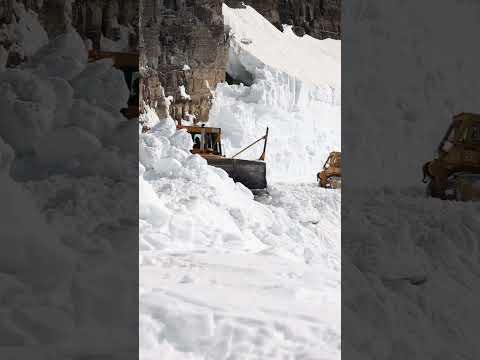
{"x":227,"y":276}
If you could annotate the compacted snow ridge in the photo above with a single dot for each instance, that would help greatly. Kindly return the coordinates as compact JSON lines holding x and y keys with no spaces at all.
{"x":224,"y":274}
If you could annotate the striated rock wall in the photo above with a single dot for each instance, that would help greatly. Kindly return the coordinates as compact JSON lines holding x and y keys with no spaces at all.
{"x":151,"y":90}
{"x":96,"y":18}
{"x":318,"y":18}
{"x":182,"y":43}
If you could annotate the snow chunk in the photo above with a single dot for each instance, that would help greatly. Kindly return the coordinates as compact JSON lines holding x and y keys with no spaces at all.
{"x":64,"y":57}
{"x":121,"y":137}
{"x":93,"y":118}
{"x":64,"y":100}
{"x":102,"y":85}
{"x":28,"y":106}
{"x":182,"y":140}
{"x":75,"y":142}
{"x":165,"y":127}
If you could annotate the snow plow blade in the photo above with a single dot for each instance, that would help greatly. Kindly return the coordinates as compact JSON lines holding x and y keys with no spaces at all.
{"x":251,"y":173}
{"x":465,"y":187}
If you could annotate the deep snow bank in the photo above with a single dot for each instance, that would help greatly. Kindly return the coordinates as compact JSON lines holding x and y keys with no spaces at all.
{"x":258,"y":43}
{"x":294,"y":89}
{"x":415,"y":275}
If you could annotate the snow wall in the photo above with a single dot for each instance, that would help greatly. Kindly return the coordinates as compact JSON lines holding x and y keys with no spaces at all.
{"x":289,"y":84}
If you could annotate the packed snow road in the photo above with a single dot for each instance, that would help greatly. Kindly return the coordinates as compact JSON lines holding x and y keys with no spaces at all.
{"x":280,"y":302}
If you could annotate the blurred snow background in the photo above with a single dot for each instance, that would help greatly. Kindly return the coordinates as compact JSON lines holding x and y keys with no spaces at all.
{"x":410,"y":265}
{"x":67,"y":216}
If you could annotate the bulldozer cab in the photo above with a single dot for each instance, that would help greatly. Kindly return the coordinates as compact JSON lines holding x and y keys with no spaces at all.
{"x":330,"y":176}
{"x":206,"y":140}
{"x":454,"y":173}
{"x":462,"y":135}
{"x":333,"y":160}
{"x":128,"y":64}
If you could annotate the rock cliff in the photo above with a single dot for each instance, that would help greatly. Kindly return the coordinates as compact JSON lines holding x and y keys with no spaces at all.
{"x":185,"y":50}
{"x":318,"y":18}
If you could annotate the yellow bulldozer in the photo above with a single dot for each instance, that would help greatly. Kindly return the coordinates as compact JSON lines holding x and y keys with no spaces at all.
{"x":455,"y":173}
{"x":207,"y":142}
{"x":331,"y":175}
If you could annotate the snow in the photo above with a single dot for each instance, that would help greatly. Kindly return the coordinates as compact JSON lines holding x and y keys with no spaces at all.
{"x":209,"y":251}
{"x":269,"y":46}
{"x":224,"y":273}
{"x":395,"y":235}
{"x":64,"y":57}
{"x":183,"y":93}
{"x":419,"y":107}
{"x":411,"y":238}
{"x":56,"y":257}
{"x":299,"y":102}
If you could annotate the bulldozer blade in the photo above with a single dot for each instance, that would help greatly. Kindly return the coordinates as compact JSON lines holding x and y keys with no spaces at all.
{"x":465,"y":187}
{"x":334,"y":182}
{"x":251,"y":173}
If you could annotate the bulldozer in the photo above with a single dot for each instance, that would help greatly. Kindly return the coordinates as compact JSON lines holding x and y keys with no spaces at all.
{"x":331,"y":175}
{"x":455,"y":173}
{"x":128,"y":64}
{"x":208,"y":144}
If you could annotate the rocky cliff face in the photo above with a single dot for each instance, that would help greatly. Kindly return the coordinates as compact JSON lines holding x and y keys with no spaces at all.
{"x":318,"y":18}
{"x":183,"y":46}
{"x":110,"y":19}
